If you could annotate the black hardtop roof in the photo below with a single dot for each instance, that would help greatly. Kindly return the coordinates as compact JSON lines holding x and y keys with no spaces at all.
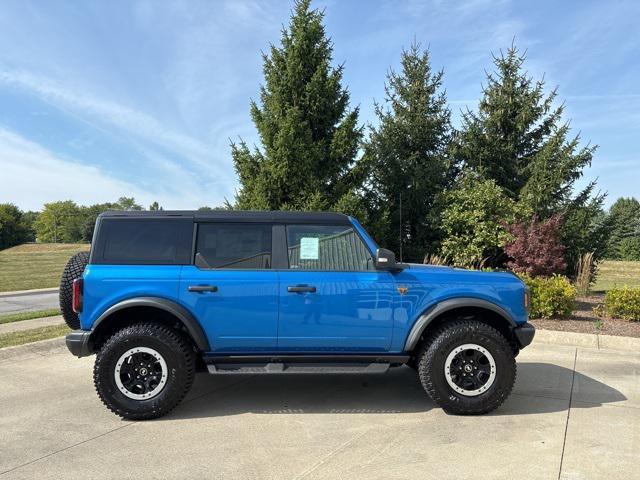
{"x":235,"y":216}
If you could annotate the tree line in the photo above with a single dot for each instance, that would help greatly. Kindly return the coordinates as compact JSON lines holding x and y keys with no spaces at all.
{"x":58,"y":222}
{"x":498,"y":189}
{"x":420,"y":185}
{"x":67,"y":222}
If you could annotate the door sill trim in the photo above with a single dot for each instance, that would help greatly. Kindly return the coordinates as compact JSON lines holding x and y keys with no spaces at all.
{"x":328,"y":358}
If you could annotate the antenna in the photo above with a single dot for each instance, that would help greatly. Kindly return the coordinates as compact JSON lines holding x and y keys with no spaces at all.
{"x":400,"y":227}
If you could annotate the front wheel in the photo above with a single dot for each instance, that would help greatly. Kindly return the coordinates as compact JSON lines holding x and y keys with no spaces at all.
{"x":467,"y":367}
{"x":144,"y":370}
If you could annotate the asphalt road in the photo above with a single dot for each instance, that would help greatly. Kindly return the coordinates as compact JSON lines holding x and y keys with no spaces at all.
{"x":574,"y":414}
{"x":28,"y":302}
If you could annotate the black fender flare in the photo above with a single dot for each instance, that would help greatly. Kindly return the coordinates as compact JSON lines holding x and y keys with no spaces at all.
{"x":441,"y":307}
{"x":182,"y":314}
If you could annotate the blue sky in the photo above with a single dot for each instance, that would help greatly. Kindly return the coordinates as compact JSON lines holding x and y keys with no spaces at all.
{"x":104,"y":99}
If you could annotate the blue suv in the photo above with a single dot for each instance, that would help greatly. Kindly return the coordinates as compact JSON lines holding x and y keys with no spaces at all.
{"x":163,"y":295}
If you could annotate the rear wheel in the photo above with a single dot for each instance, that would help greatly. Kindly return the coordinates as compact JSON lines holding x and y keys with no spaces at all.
{"x":144,"y":370}
{"x":467,"y":367}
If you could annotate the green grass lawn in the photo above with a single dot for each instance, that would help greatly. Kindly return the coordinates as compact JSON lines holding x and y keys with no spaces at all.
{"x":35,"y":265}
{"x":616,"y":273}
{"x":18,"y":317}
{"x":33,"y":335}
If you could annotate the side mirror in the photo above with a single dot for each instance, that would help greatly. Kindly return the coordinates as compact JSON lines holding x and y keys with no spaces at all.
{"x":386,"y":260}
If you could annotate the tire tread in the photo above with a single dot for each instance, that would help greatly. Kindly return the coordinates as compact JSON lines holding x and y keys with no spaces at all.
{"x":436,"y":342}
{"x":177,"y":342}
{"x":72,"y":270}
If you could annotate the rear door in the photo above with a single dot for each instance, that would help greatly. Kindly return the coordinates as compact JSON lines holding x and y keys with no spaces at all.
{"x":231,"y":288}
{"x":331,"y":297}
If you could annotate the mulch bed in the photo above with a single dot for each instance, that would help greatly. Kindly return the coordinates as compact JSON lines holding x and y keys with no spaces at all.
{"x":583,"y":320}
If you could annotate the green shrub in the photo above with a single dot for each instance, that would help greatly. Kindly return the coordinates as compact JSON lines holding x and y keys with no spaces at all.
{"x":551,"y":296}
{"x":623,"y":303}
{"x":473,"y":221}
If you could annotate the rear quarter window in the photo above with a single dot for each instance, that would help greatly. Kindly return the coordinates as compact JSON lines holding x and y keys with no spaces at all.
{"x":233,"y":246}
{"x":144,"y":242}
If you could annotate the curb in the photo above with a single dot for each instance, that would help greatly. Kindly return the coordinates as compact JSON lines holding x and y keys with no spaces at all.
{"x":588,"y":340}
{"x":19,"y":293}
{"x":41,"y":348}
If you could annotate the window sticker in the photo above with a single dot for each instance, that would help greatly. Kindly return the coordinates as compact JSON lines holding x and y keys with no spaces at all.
{"x":309,"y":248}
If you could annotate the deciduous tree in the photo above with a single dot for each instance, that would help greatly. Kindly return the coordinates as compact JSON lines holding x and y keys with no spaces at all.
{"x":90,"y":215}
{"x":473,"y":221}
{"x":535,"y":247}
{"x":59,"y":222}
{"x":13,"y":229}
{"x":128,"y":204}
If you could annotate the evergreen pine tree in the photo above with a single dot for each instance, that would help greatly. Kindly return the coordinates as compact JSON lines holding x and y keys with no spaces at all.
{"x":624,"y":215}
{"x":518,"y":138}
{"x":309,"y":135}
{"x":406,"y":155}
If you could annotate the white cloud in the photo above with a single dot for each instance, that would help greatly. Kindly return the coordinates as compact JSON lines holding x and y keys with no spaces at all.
{"x":182,"y":171}
{"x":30,"y":176}
{"x":135,"y":123}
{"x":171,"y":123}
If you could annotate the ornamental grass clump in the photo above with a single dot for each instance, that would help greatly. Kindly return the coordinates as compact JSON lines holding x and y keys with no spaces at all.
{"x":585,"y":272}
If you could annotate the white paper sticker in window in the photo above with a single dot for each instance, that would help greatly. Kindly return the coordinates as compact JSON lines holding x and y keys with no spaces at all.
{"x":309,"y":248}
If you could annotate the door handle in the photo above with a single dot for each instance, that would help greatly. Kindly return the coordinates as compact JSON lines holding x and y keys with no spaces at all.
{"x":202,"y":288}
{"x":301,"y":289}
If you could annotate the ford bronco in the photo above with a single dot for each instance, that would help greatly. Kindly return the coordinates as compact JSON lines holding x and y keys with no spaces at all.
{"x":165,"y":294}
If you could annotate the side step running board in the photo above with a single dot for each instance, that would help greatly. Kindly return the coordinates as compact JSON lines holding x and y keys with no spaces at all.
{"x":276,"y":368}
{"x":301,"y":365}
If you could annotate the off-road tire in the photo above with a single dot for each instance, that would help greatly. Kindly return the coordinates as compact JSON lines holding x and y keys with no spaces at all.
{"x":177,"y":352}
{"x":74,"y":269}
{"x":431,"y":367}
{"x":412,"y":363}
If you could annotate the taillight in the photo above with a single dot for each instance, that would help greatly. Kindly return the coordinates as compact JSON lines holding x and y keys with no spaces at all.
{"x":77,"y":295}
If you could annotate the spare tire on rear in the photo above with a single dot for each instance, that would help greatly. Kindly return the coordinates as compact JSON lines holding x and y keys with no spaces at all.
{"x":74,"y":269}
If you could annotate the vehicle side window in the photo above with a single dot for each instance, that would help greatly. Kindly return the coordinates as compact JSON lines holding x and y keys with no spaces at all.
{"x":144,"y":242}
{"x":233,"y":246}
{"x":327,"y":247}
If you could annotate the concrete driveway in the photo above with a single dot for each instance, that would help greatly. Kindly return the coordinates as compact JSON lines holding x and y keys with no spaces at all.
{"x":575,"y":413}
{"x":28,"y":301}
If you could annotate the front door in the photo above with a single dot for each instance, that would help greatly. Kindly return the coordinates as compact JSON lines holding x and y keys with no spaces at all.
{"x":231,"y":289}
{"x":331,"y":298}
